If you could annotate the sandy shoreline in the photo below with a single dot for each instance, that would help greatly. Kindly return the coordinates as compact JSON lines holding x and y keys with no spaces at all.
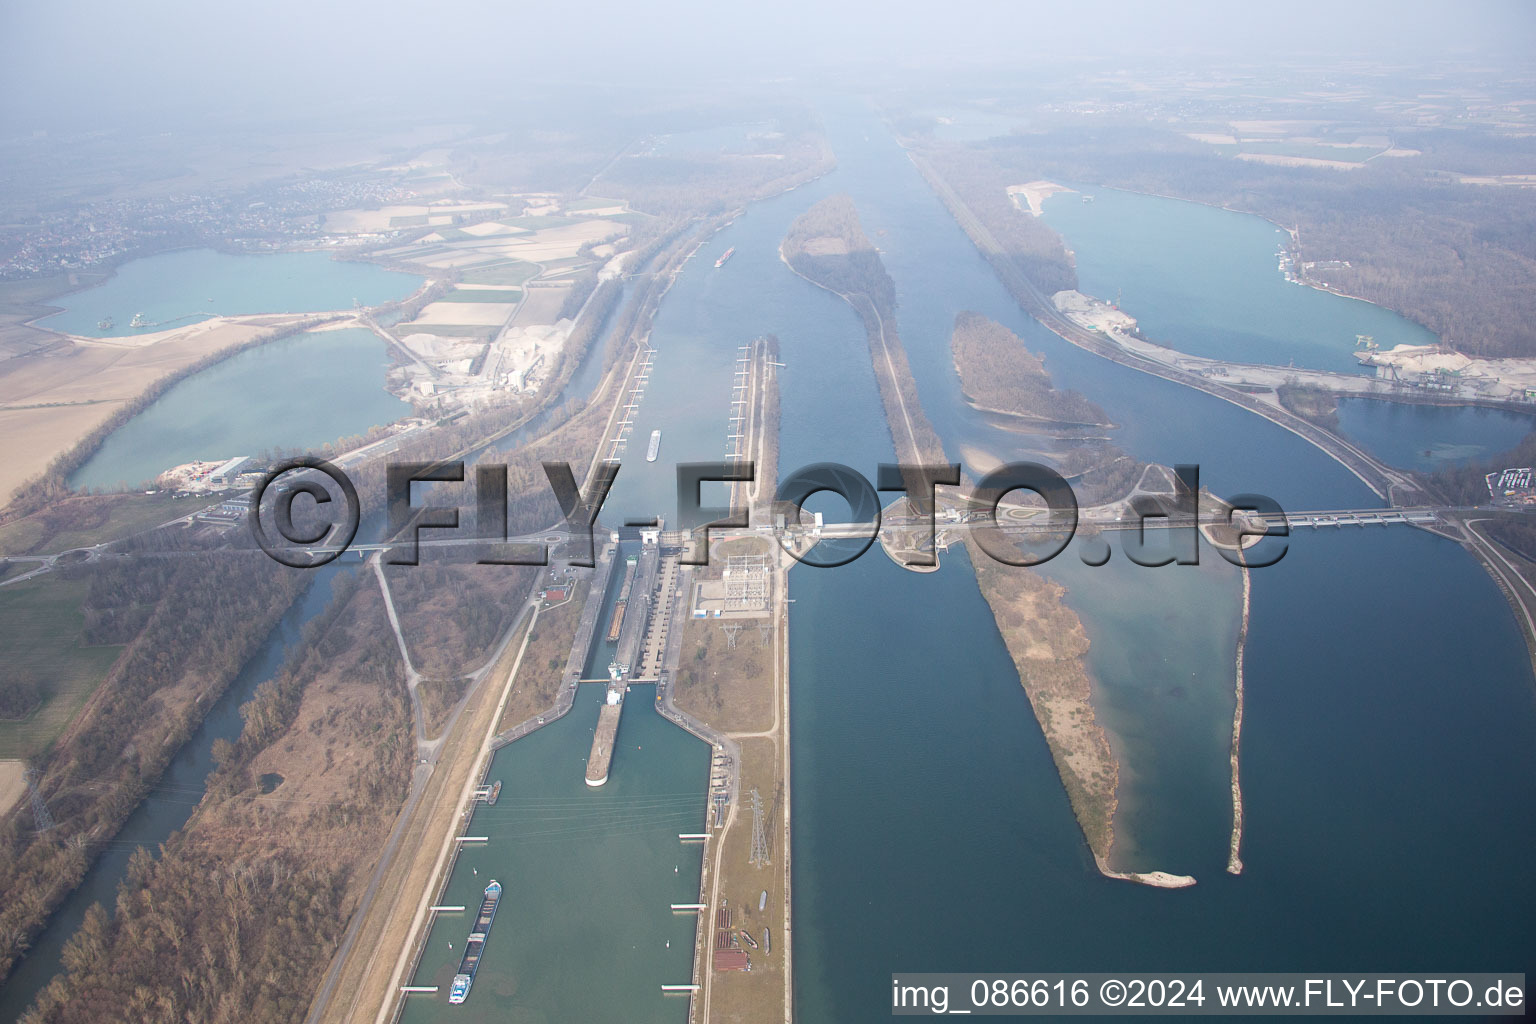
{"x":1035,"y":194}
{"x":1234,"y":860}
{"x":1156,"y":879}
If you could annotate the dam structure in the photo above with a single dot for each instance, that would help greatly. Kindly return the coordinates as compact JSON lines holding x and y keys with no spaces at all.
{"x":640,"y":604}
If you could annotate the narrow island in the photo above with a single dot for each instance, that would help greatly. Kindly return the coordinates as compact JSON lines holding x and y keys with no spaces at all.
{"x":828,"y":246}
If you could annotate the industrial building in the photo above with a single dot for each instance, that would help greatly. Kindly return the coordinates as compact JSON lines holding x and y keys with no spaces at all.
{"x":229,"y":472}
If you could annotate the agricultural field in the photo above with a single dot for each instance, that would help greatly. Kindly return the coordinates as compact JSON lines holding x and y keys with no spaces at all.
{"x":50,"y":671}
{"x":88,"y":520}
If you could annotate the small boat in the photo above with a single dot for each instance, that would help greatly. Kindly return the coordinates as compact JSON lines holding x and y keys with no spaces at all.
{"x":767,"y":942}
{"x":725,"y":256}
{"x":655,"y":446}
{"x":762,"y":901}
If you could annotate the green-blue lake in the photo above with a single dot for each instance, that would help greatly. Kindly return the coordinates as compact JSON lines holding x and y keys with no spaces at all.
{"x":296,"y":392}
{"x":182,"y":287}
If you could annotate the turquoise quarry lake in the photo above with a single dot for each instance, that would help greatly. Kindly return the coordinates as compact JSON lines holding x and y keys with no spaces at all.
{"x":1206,"y":281}
{"x":188,"y":285}
{"x":296,"y":392}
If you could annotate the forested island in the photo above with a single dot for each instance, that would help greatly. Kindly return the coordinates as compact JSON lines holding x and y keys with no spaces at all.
{"x":1044,"y":636}
{"x":1010,"y":384}
{"x":999,"y":375}
{"x":827,"y":246}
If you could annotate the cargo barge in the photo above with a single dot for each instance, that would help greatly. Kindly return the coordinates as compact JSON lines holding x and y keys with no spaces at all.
{"x":476,"y":944}
{"x":617,"y":622}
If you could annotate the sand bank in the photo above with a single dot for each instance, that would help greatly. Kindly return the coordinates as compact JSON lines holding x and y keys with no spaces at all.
{"x":1234,"y":860}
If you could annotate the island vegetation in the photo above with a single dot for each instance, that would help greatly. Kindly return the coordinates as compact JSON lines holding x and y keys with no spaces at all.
{"x":999,"y":375}
{"x":1048,"y":645}
{"x":828,"y":247}
{"x":1011,"y":386}
{"x":1045,"y":638}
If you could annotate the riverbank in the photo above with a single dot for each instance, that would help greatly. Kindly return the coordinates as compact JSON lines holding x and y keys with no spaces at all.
{"x":1391,"y":485}
{"x":56,"y":410}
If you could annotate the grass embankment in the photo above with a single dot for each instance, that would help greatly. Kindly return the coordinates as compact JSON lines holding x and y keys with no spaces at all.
{"x":88,"y":520}
{"x":763,"y":444}
{"x":538,"y":680}
{"x":366,"y":977}
{"x":755,"y":997}
{"x":438,"y":696}
{"x":453,"y":614}
{"x":1319,"y":405}
{"x":739,"y":690}
{"x":50,"y":671}
{"x":827,"y":245}
{"x":730,"y":688}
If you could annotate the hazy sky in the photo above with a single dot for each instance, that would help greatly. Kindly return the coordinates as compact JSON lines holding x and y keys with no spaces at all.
{"x":98,"y":59}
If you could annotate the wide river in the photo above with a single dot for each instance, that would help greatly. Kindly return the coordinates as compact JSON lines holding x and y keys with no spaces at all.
{"x":1389,"y":720}
{"x":1389,"y":747}
{"x":1387,"y":751}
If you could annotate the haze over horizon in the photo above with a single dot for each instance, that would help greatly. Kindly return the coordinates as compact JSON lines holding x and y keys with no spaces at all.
{"x":89,"y":64}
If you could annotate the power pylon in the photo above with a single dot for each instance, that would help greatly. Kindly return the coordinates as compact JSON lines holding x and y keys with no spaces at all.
{"x":759,"y":857}
{"x":40,"y":815}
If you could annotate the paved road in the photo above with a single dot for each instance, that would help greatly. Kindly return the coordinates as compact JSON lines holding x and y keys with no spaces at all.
{"x":427,"y":752}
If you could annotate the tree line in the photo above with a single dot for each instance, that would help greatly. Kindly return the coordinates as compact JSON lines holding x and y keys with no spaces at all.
{"x":190,"y":621}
